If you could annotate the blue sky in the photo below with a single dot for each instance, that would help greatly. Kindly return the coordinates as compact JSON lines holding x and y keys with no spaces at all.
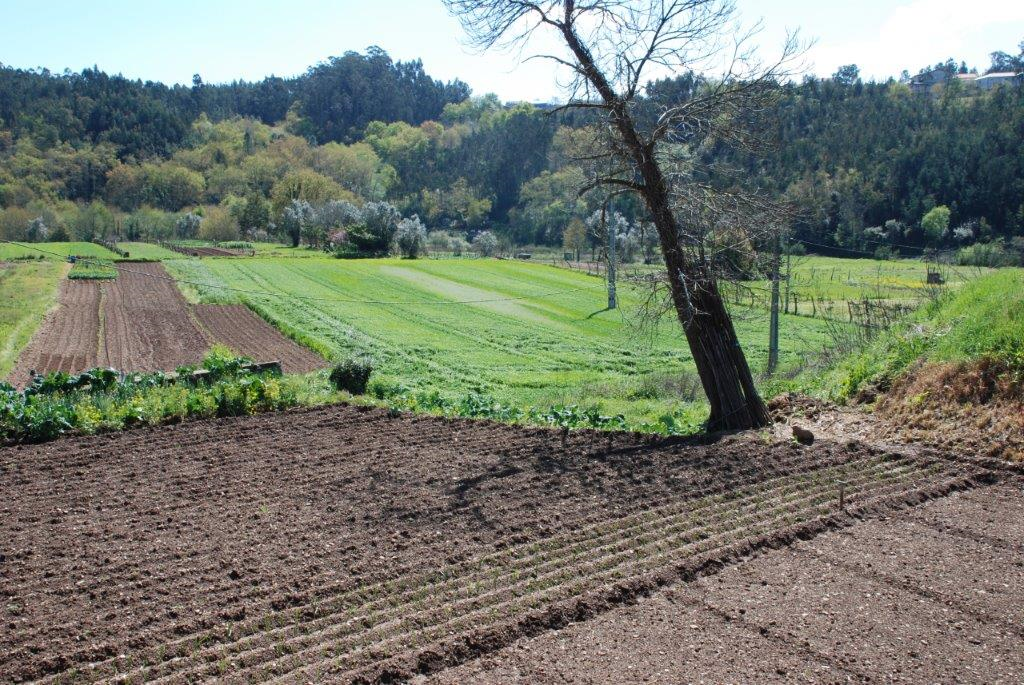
{"x":227,"y":39}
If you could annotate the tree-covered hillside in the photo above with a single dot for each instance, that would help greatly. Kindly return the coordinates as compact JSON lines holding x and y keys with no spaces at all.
{"x":869,"y":166}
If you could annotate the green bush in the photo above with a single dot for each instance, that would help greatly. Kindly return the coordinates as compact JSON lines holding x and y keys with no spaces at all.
{"x":886,"y":253}
{"x":994,"y":254}
{"x":352,"y":375}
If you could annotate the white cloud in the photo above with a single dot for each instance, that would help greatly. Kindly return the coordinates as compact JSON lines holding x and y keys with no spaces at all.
{"x":924,"y":32}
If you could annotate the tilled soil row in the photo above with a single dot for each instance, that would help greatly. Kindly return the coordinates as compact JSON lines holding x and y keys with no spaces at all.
{"x":247,"y":334}
{"x":67,"y":338}
{"x":139,"y":322}
{"x":357,"y":544}
{"x":146,"y":322}
{"x":463,"y":590}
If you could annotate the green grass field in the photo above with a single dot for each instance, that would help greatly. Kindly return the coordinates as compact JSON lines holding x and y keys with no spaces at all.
{"x":554,"y":346}
{"x":521,"y":334}
{"x":836,"y":278}
{"x":93,"y":269}
{"x":148,"y":251}
{"x":28,"y":290}
{"x":54,"y":250}
{"x":982,"y":319}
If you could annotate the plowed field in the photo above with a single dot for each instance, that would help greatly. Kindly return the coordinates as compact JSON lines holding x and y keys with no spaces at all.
{"x":247,"y":334}
{"x":349,"y":543}
{"x":140,"y":322}
{"x":146,"y":322}
{"x":68,"y":338}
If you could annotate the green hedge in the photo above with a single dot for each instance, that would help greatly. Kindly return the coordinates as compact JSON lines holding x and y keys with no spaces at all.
{"x":103,"y":400}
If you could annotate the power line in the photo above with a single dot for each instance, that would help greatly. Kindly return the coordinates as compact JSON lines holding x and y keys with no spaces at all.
{"x":267,"y":293}
{"x":861,"y":252}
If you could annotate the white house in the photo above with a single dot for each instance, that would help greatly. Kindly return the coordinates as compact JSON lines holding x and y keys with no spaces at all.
{"x":990,"y":81}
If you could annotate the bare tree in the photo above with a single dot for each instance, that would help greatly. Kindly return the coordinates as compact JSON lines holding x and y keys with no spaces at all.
{"x":609,"y":47}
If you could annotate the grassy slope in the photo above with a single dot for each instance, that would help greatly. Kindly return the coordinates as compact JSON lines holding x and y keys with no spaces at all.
{"x":29,"y":289}
{"x":8,"y":251}
{"x":543,"y":350}
{"x":983,"y":318}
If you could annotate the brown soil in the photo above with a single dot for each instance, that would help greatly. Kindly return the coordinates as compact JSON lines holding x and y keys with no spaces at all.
{"x":247,"y":334}
{"x":942,"y":605}
{"x":67,"y":340}
{"x":140,"y":322}
{"x":974,"y":409}
{"x":146,"y":322}
{"x":351,"y":543}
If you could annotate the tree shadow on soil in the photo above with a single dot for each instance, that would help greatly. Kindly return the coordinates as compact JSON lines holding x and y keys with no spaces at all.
{"x":592,"y":468}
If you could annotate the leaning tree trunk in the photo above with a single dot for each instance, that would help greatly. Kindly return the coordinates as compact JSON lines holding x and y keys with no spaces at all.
{"x":721,"y":364}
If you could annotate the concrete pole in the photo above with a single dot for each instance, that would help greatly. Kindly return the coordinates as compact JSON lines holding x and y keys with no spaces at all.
{"x":612,"y":303}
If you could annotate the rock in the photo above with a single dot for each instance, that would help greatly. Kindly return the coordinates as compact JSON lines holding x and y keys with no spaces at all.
{"x":803,"y":436}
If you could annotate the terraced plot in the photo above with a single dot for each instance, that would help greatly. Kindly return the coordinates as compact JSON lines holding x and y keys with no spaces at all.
{"x":140,"y":322}
{"x":352,"y":543}
{"x":248,"y":335}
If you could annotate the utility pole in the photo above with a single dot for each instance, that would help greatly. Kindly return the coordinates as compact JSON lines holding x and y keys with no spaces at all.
{"x":610,"y":231}
{"x":773,"y":328}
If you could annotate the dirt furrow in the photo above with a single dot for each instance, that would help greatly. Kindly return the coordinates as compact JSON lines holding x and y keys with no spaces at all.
{"x":248,"y":531}
{"x":324,"y":598}
{"x":248,"y":335}
{"x":452,"y":593}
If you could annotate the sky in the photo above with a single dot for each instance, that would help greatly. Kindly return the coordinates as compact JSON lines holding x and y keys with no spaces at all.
{"x":224,"y":40}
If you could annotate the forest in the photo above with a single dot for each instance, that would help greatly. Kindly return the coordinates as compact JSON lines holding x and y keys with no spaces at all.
{"x":867,"y":166}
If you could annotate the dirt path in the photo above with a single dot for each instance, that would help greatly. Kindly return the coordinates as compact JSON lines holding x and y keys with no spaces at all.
{"x":345,"y":543}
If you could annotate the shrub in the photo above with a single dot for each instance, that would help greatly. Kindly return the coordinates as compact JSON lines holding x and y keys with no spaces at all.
{"x":439,"y":241}
{"x":485,"y":243}
{"x":993,"y":254}
{"x":411,"y":237}
{"x":218,"y":225}
{"x":886,"y":253}
{"x":352,"y":375}
{"x":377,"y":230}
{"x":935,"y":223}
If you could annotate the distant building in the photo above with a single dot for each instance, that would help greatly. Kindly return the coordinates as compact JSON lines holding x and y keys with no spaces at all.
{"x":932,"y":82}
{"x":990,"y":81}
{"x":926,"y":81}
{"x":968,"y":80}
